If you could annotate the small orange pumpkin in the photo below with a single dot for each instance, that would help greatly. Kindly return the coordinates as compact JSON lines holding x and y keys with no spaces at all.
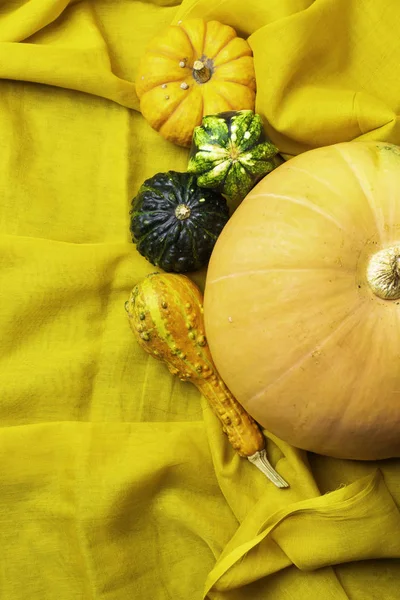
{"x":191,"y":70}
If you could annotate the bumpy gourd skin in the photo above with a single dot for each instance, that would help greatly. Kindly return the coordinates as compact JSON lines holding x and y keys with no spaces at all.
{"x":231,"y":153}
{"x":174,"y":223}
{"x":165,"y":313}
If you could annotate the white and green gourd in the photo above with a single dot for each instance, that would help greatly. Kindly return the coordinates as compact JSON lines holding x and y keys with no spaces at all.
{"x":230,"y":153}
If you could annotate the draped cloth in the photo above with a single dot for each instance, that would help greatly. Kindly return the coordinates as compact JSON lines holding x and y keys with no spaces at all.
{"x":116,"y":480}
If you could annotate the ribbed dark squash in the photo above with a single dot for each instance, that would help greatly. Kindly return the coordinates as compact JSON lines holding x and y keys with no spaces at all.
{"x":174,"y":223}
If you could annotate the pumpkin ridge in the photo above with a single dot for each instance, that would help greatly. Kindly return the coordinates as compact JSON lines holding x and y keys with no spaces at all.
{"x":223,"y":48}
{"x":219,"y":93}
{"x":366,"y":192}
{"x":316,"y":178}
{"x":308,"y":354}
{"x":156,"y":52}
{"x":194,"y":53}
{"x":231,"y":62}
{"x":307,"y":204}
{"x":275,"y":270}
{"x":164,"y":82}
{"x":203,"y":43}
{"x":158,"y":126}
{"x":228,"y":60}
{"x":235,"y":82}
{"x":171,"y":114}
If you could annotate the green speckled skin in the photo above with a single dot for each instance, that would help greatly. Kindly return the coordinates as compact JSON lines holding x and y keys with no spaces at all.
{"x":167,"y":242}
{"x":230,"y":153}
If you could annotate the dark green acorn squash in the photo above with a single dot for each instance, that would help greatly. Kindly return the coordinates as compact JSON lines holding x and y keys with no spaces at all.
{"x":174,"y":223}
{"x":231,"y":153}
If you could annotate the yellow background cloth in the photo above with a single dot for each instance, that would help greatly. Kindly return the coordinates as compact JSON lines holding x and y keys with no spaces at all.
{"x":115,"y":478}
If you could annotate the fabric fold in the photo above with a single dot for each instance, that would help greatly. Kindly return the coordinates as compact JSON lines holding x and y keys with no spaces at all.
{"x":116,"y":480}
{"x":18,"y":23}
{"x":301,"y":531}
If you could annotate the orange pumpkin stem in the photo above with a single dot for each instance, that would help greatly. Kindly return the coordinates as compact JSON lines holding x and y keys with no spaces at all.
{"x":201,"y":72}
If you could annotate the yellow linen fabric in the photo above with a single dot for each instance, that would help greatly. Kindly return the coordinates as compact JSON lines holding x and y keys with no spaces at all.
{"x":115,"y":478}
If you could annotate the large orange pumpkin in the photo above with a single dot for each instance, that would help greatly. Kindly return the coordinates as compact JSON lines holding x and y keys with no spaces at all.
{"x":302,"y":301}
{"x":190,"y":70}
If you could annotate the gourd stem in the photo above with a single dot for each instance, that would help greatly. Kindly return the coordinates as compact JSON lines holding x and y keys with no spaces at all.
{"x":383,"y":273}
{"x":243,"y":432}
{"x":260,"y":460}
{"x":182,"y":212}
{"x":201,"y":72}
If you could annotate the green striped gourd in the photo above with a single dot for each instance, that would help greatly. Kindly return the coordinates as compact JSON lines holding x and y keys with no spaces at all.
{"x":231,"y":153}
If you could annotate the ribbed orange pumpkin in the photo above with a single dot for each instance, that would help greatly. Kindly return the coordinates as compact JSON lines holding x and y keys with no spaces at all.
{"x":190,"y":70}
{"x":302,"y":301}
